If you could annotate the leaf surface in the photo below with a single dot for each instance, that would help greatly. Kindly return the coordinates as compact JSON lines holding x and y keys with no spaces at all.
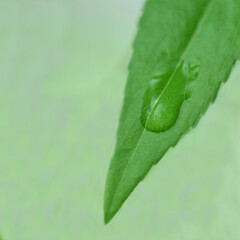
{"x":162,"y":99}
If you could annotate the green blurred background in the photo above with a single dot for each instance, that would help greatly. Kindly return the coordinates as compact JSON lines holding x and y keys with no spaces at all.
{"x":63,"y":67}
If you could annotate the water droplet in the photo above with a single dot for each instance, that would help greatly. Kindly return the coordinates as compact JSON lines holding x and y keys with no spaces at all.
{"x":165,"y":95}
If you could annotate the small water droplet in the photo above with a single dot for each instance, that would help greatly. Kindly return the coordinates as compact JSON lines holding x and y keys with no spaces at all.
{"x":165,"y":95}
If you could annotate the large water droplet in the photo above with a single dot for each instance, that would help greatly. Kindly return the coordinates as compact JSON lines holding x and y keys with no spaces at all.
{"x":165,"y":95}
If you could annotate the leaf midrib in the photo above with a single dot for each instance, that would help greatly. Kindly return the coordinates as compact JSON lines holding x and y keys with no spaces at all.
{"x":201,"y":19}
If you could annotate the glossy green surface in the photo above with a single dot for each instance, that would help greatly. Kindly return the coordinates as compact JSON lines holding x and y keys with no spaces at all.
{"x":202,"y":31}
{"x":165,"y":95}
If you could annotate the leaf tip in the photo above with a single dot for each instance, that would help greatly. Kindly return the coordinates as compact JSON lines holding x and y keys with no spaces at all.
{"x":110,"y":209}
{"x":108,"y":215}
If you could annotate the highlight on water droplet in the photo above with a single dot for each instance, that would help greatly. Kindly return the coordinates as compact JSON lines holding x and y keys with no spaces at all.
{"x":165,"y":94}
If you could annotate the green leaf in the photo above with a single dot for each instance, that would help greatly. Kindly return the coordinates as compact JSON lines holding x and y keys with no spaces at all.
{"x":183,"y":51}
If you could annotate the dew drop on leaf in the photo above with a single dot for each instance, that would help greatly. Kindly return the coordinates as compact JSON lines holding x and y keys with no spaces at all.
{"x":165,"y":94}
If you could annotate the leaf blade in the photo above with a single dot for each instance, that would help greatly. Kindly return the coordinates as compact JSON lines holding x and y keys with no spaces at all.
{"x":195,"y":31}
